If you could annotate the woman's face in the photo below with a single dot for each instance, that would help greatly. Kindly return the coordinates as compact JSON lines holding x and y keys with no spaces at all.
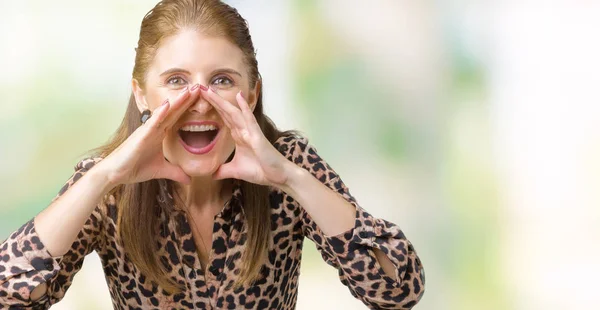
{"x":186,"y":59}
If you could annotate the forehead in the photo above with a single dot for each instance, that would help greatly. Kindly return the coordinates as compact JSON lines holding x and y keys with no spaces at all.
{"x":197,"y":53}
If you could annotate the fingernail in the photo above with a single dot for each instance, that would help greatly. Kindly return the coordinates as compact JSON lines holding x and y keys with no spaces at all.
{"x":165,"y":102}
{"x":203,"y":88}
{"x":212,"y":89}
{"x":184,"y":90}
{"x":241,"y":93}
{"x":195,"y":87}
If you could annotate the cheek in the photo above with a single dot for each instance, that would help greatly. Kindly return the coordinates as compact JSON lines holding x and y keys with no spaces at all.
{"x":229,"y":95}
{"x":155,"y":96}
{"x":169,"y":146}
{"x":226,"y":144}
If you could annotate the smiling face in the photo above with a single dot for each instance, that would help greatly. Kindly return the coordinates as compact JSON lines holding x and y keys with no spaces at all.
{"x":186,"y":59}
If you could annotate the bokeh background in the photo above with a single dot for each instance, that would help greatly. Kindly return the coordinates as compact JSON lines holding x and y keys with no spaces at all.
{"x":474,"y":125}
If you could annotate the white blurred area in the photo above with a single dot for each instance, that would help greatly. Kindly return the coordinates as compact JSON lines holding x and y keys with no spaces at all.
{"x":542,"y":108}
{"x":545,"y":82}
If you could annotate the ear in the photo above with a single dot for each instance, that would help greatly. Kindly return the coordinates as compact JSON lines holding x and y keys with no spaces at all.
{"x":253,"y":96}
{"x":138,"y":93}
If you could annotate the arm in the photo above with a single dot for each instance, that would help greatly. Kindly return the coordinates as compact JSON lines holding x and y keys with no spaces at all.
{"x":337,"y":218}
{"x":374,"y":258}
{"x":39,"y":260}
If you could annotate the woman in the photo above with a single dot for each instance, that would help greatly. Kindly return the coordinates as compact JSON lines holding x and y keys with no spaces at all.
{"x":199,"y":201}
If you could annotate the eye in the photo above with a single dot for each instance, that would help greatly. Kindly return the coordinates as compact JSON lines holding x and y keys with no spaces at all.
{"x":175,"y":81}
{"x":222,"y":81}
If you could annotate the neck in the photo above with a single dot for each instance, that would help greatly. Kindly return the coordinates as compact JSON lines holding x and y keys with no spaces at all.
{"x":205,"y":193}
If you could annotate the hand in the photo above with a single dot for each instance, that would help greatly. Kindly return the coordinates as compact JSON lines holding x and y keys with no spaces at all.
{"x":140,"y":157}
{"x":256,"y":160}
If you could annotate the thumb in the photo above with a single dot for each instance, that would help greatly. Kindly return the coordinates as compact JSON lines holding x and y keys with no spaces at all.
{"x":175,"y":173}
{"x":225,"y":171}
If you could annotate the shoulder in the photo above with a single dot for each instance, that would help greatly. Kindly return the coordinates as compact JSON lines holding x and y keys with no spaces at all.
{"x":292,"y":143}
{"x":296,"y":147}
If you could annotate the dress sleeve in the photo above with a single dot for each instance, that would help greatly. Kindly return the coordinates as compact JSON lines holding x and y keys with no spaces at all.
{"x":351,"y":252}
{"x":25,"y":263}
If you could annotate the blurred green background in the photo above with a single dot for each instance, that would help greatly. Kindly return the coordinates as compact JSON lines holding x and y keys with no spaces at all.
{"x":473,"y":126}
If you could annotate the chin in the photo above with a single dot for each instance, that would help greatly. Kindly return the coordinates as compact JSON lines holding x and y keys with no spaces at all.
{"x":198,"y":168}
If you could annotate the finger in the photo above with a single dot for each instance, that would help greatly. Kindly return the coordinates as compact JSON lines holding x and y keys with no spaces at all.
{"x":247,"y":112}
{"x":224,"y":116}
{"x":226,"y":119}
{"x":227,"y":123}
{"x":175,"y":104}
{"x":184,"y":100}
{"x":158,"y":115}
{"x":207,"y":93}
{"x":243,"y":105}
{"x":234,"y":113}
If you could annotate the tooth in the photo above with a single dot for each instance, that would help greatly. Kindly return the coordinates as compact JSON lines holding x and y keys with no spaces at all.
{"x":197,"y":128}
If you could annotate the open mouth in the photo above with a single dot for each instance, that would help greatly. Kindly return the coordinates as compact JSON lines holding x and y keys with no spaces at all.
{"x":198,"y":138}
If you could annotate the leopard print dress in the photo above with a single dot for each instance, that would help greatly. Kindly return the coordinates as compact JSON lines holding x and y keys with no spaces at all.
{"x":25,"y":263}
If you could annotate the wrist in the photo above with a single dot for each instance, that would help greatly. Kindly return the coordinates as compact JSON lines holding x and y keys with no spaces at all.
{"x":294,"y":174}
{"x":103,"y":177}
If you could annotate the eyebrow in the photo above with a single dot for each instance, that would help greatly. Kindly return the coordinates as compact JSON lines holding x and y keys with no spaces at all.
{"x":225,"y":70}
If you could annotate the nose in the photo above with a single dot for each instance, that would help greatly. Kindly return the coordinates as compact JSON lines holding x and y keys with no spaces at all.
{"x":201,"y":106}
